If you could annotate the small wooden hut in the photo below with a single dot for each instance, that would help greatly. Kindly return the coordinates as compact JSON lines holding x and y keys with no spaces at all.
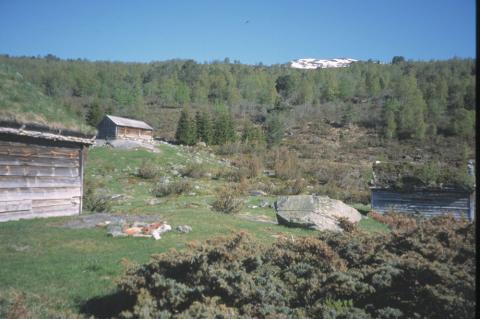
{"x":115,"y":127}
{"x":41,"y":171}
{"x":422,"y":189}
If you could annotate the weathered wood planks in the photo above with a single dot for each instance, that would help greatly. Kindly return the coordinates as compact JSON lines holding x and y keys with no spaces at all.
{"x":9,"y":194}
{"x":38,"y":181}
{"x":16,"y":205}
{"x":30,"y":150}
{"x":42,"y":161}
{"x":26,"y":170}
{"x":427,"y":203}
{"x":62,"y":211}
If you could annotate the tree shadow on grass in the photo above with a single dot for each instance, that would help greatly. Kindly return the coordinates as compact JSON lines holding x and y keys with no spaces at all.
{"x":108,"y":306}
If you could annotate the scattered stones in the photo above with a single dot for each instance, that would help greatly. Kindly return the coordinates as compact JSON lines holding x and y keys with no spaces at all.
{"x":184,"y":229}
{"x":317,"y":212}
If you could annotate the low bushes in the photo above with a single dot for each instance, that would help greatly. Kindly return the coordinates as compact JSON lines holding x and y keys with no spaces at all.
{"x":95,"y":200}
{"x":227,"y":201}
{"x":166,"y":187}
{"x":195,"y":170}
{"x":395,"y":221}
{"x":147,"y":170}
{"x":285,"y":163}
{"x":425,"y":272}
{"x":251,"y":166}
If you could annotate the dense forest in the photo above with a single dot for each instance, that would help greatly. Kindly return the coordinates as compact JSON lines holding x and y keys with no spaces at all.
{"x":401,"y":100}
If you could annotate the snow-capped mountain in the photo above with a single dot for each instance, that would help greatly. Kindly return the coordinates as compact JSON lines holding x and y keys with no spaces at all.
{"x":319,"y":63}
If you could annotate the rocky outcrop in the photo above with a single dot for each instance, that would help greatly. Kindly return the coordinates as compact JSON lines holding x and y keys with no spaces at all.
{"x":316,"y":212}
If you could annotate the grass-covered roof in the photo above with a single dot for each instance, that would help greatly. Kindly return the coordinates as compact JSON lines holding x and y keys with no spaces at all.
{"x":430,"y":175}
{"x":23,"y":103}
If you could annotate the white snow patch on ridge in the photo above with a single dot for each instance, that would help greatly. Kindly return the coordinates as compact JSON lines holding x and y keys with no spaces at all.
{"x":322,"y":64}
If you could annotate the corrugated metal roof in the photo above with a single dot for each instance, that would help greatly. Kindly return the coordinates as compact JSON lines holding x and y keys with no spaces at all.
{"x":121,"y":121}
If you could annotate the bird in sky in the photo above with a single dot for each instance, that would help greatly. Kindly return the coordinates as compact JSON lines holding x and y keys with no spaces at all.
{"x":248,"y":21}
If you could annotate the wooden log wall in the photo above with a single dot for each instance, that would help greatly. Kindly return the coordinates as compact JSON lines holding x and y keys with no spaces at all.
{"x":427,"y":203}
{"x":39,"y":180}
{"x":133,"y":133}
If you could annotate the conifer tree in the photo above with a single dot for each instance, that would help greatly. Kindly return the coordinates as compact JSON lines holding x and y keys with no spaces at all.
{"x":94,"y":114}
{"x":186,"y":129}
{"x":223,"y":130}
{"x":204,"y":127}
{"x":275,"y":130}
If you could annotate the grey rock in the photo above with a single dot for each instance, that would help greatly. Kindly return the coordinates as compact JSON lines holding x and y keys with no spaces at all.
{"x":315,"y":212}
{"x":183,"y":228}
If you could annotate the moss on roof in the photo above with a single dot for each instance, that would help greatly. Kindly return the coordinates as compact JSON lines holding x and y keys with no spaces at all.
{"x":431,"y":175}
{"x":22,"y":102}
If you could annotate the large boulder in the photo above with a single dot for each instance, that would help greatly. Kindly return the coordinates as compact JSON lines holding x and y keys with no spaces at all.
{"x":316,"y":212}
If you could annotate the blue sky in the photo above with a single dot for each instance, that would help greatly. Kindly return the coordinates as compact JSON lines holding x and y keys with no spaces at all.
{"x":276,"y":31}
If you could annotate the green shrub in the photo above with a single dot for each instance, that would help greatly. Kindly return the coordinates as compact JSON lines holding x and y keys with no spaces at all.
{"x":165,"y":187}
{"x":195,"y":170}
{"x":227,"y":201}
{"x":251,"y":165}
{"x":426,"y":272}
{"x":93,"y":199}
{"x":147,"y":170}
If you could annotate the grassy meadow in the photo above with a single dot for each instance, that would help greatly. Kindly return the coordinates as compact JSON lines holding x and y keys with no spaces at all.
{"x":50,"y":267}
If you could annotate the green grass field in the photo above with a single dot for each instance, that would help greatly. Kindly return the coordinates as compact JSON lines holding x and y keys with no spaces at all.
{"x":61,"y":269}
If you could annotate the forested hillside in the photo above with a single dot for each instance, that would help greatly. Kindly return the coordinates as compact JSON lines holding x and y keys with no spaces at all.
{"x":403,"y":100}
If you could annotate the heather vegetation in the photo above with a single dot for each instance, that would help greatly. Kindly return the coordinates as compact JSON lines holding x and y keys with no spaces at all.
{"x":409,"y":273}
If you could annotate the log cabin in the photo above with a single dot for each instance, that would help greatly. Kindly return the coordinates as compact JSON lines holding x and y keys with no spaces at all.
{"x":428,"y":191}
{"x":41,"y":171}
{"x":115,"y":127}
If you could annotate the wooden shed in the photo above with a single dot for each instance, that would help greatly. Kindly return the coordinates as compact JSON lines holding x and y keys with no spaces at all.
{"x":41,"y":171}
{"x":395,"y":190}
{"x":115,"y":127}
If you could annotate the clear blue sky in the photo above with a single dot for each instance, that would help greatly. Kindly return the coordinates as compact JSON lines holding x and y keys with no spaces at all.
{"x":247,"y":30}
